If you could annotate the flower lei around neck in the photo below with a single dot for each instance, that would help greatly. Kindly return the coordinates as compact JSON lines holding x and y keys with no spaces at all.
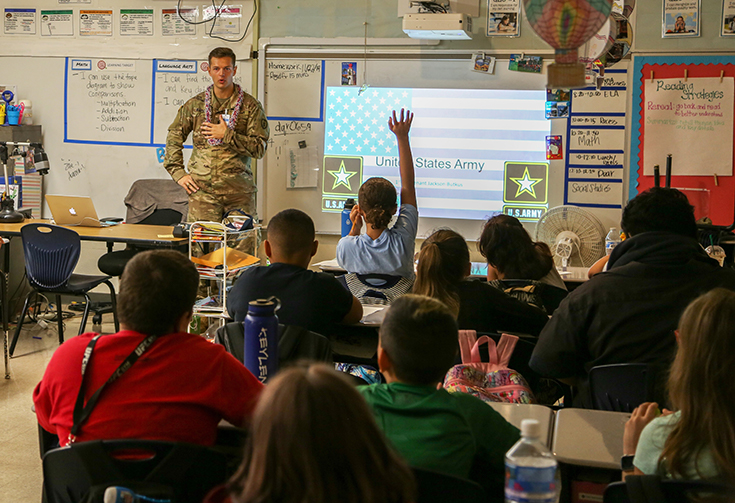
{"x":208,"y":111}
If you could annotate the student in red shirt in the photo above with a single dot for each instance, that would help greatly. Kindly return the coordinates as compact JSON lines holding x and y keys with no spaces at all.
{"x":178,"y":386}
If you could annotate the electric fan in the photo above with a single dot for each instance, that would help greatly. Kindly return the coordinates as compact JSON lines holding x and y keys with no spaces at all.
{"x":576,"y":237}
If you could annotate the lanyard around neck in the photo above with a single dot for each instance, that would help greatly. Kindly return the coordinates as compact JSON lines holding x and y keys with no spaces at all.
{"x":81,"y":411}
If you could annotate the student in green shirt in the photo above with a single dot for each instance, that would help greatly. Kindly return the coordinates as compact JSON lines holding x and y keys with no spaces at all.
{"x":455,"y":434}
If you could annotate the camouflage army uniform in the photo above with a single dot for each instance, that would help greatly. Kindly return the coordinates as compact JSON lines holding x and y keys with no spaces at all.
{"x":222,"y":172}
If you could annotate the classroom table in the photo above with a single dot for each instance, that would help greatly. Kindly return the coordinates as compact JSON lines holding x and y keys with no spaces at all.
{"x":150,"y":235}
{"x":589,"y":437}
{"x":515,"y":413}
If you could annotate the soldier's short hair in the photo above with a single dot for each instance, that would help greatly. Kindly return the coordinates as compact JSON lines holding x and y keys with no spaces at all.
{"x":222,"y":52}
{"x":291,"y":231}
{"x":156,"y":289}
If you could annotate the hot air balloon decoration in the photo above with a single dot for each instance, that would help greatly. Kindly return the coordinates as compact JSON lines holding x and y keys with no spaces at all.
{"x":566,"y":25}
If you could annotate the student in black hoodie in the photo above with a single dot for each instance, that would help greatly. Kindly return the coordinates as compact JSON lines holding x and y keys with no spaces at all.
{"x":629,"y":313}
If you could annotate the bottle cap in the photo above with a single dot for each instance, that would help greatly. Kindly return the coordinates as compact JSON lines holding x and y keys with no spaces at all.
{"x":350,"y":203}
{"x":530,"y":428}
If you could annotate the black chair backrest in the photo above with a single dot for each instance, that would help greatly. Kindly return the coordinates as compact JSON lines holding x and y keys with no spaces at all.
{"x":294,"y":343}
{"x":622,"y":387}
{"x":163,"y":216}
{"x":653,"y":489}
{"x":550,"y":296}
{"x":188,"y":471}
{"x":51,"y":253}
{"x":436,"y":487}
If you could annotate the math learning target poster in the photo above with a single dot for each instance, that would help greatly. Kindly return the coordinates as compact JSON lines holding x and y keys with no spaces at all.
{"x":685,"y":118}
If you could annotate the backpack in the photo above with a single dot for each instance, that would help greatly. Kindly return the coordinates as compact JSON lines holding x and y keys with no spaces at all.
{"x":489,"y":381}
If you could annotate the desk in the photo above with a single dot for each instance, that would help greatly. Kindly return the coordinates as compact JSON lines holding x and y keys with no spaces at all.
{"x":514,"y":413}
{"x":153,"y":235}
{"x":589,"y":437}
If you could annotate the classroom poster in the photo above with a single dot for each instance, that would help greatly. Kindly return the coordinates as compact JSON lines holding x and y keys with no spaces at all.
{"x":728,"y":18}
{"x":503,"y":18}
{"x":227,"y":20}
{"x":172,"y":23}
{"x":20,"y":21}
{"x":95,"y":23}
{"x":680,"y":18}
{"x":57,"y":23}
{"x":681,"y":117}
{"x":136,"y":22}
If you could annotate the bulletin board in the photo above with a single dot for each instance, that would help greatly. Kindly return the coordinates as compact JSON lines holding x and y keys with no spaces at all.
{"x":684,"y":71}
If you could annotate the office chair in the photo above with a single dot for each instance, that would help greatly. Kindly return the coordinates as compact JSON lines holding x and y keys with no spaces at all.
{"x":51,"y":254}
{"x":622,"y":387}
{"x":653,"y":489}
{"x":168,"y":470}
{"x":149,"y":202}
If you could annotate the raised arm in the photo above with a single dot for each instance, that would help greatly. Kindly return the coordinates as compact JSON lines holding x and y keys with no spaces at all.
{"x":400,"y":127}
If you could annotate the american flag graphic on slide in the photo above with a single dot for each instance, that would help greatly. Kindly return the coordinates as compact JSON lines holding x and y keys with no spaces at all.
{"x":460,"y":139}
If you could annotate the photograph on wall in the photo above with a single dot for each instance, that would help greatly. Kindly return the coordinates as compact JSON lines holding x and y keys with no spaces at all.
{"x":557,"y":95}
{"x":557,"y":110}
{"x":728,"y":18}
{"x":503,"y":18}
{"x":349,"y":74}
{"x":554,"y":148}
{"x":483,"y":63}
{"x":680,"y":18}
{"x":523,"y":63}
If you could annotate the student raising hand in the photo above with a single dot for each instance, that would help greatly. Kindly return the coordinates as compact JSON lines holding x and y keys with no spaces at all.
{"x":400,"y":127}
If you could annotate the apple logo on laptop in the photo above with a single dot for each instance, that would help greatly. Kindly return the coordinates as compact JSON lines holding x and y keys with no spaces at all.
{"x":73,"y":211}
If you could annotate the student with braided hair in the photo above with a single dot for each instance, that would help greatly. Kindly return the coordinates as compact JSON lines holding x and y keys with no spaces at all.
{"x":382,"y":249}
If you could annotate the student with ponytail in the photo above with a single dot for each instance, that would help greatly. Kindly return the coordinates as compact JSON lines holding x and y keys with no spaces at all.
{"x":443,"y":271}
{"x":384,"y":250}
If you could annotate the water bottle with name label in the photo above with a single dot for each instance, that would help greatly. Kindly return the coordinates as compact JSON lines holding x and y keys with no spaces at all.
{"x":346,"y":222}
{"x":612,"y":240}
{"x":261,"y":338}
{"x":531,"y":472}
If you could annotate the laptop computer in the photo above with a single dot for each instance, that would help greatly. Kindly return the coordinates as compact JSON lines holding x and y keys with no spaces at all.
{"x":73,"y":210}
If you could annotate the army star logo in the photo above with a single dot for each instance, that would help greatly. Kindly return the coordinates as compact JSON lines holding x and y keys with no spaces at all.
{"x":526,"y":184}
{"x":342,"y":177}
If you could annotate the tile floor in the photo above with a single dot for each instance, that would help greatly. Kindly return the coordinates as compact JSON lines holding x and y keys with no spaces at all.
{"x":20,"y":465}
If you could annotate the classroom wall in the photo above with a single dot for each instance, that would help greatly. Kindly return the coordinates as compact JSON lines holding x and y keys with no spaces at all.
{"x":36,"y":64}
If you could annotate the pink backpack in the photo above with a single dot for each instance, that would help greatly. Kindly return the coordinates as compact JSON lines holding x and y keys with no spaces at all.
{"x":492,"y":381}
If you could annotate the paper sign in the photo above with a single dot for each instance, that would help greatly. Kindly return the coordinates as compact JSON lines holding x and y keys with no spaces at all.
{"x":597,"y":121}
{"x":503,"y":18}
{"x":596,"y":139}
{"x":686,"y":118}
{"x":598,"y":101}
{"x":57,"y":23}
{"x":598,"y":192}
{"x":227,"y":21}
{"x":95,"y":23}
{"x":680,"y":18}
{"x":728,"y":18}
{"x":611,"y":173}
{"x":596,"y":159}
{"x":20,"y":21}
{"x":172,"y":23}
{"x":136,"y":22}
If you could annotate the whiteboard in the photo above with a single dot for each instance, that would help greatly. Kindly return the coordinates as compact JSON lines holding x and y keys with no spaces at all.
{"x":128,"y":102}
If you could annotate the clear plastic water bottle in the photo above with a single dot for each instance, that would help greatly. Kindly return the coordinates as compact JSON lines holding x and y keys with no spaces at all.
{"x":612,"y":240}
{"x":531,"y":474}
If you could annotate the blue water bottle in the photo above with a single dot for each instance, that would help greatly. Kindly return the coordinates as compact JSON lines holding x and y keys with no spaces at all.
{"x":346,"y":222}
{"x":261,"y":338}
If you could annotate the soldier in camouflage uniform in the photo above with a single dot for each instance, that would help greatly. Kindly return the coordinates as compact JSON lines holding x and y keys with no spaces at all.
{"x":220,"y":175}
